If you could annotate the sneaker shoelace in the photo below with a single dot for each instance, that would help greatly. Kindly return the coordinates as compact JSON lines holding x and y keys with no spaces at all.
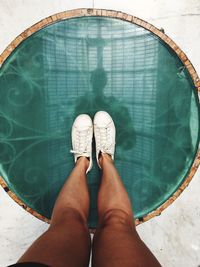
{"x":105,"y":141}
{"x":82,"y":142}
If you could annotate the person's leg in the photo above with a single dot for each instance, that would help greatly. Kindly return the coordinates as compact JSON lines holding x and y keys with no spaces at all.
{"x":116,"y":242}
{"x":67,"y":241}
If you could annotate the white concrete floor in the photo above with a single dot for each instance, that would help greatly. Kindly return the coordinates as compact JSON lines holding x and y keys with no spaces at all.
{"x":174,"y":237}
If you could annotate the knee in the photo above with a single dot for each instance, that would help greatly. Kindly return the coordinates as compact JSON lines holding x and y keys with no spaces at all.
{"x":117,"y":218}
{"x":69,"y":216}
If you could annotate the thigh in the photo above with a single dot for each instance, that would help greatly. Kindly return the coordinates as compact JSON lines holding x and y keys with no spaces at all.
{"x":116,"y":243}
{"x":66,"y":243}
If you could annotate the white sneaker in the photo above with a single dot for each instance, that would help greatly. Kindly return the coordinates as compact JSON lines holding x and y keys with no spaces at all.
{"x":82,"y":133}
{"x":104,"y":132}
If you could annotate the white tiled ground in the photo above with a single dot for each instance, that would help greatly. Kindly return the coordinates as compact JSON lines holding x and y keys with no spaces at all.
{"x":174,"y":237}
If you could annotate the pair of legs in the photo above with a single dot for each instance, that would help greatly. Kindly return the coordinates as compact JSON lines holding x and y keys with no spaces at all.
{"x":67,"y":241}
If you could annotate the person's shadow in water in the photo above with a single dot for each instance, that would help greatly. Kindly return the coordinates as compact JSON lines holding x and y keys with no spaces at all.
{"x":97,"y":101}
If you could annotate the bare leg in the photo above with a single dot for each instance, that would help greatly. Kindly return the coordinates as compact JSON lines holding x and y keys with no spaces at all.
{"x":67,"y":241}
{"x":116,"y":242}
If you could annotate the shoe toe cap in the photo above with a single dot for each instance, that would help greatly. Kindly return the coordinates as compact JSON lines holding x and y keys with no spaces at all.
{"x":102,"y":118}
{"x":83,"y":120}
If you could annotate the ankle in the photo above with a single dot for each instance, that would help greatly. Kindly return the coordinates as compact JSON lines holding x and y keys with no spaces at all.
{"x":104,"y":158}
{"x":84,"y":161}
